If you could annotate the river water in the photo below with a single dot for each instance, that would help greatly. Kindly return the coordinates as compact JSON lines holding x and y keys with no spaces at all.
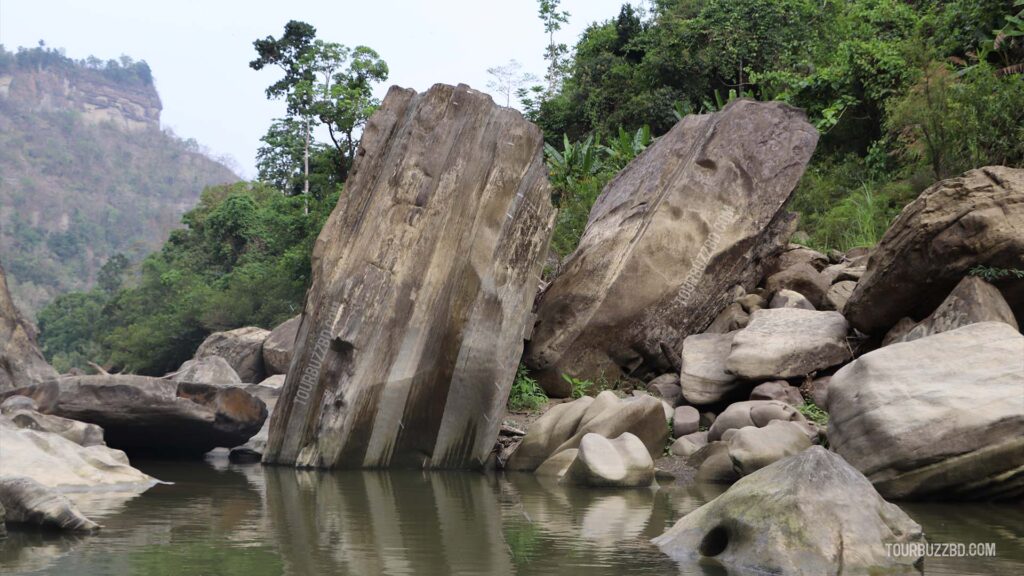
{"x":224,"y":519}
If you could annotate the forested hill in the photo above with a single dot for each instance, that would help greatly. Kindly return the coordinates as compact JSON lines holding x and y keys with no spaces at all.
{"x":86,"y":172}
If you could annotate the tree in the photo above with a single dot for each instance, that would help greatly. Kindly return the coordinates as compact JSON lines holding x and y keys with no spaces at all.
{"x":508,"y":79}
{"x":553,"y":18}
{"x":111,"y":275}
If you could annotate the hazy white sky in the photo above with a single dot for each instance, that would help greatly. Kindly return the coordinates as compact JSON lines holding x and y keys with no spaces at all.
{"x":199,"y":50}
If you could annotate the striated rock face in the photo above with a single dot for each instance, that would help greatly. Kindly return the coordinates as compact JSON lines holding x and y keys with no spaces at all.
{"x":280,"y":345}
{"x":811,"y":514}
{"x":423,"y":281}
{"x":21,"y":362}
{"x":957,"y":224}
{"x":154,"y":416}
{"x":938,"y":417}
{"x":692,"y":216}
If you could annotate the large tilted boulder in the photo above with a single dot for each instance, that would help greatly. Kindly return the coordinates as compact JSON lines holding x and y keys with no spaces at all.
{"x":703,"y":376}
{"x":280,"y":345}
{"x":976,"y":219}
{"x":973,"y":300}
{"x":21,"y":362}
{"x":941,"y":417}
{"x":424,"y":278}
{"x":788,"y":342}
{"x":155,"y":416}
{"x":694,"y":215}
{"x":57,"y":462}
{"x":621,"y":462}
{"x":606,"y":415}
{"x":25,"y":501}
{"x":809,"y":514}
{"x":242,"y":348}
{"x":207,"y":370}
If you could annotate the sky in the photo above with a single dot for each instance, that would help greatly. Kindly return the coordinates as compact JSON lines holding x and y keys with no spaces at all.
{"x":199,"y":50}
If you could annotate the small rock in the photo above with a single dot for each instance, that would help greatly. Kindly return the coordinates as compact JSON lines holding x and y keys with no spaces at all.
{"x":18,"y":402}
{"x":789,"y":299}
{"x":685,"y":420}
{"x":973,"y":300}
{"x":839,"y":293}
{"x":752,"y":413}
{"x":667,"y":388}
{"x":686,"y":446}
{"x":784,"y":343}
{"x":817,"y":391}
{"x":778,"y":390}
{"x":733,"y":317}
{"x":802,"y":278}
{"x":704,"y":378}
{"x":623,"y":462}
{"x":212,"y":370}
{"x":713,"y":464}
{"x":707,"y":419}
{"x":752,"y":448}
{"x":751,"y":302}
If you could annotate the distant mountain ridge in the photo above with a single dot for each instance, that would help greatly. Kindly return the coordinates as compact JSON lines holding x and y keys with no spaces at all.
{"x":85,"y":170}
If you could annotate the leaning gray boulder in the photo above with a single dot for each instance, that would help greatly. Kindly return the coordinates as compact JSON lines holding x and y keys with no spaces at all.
{"x":21,"y":362}
{"x":25,"y":501}
{"x":697,"y":213}
{"x":809,"y":514}
{"x":423,"y":283}
{"x":280,"y":345}
{"x":788,"y":342}
{"x":941,"y":417}
{"x":212,"y":370}
{"x":973,"y":300}
{"x":160,"y":417}
{"x":957,"y":224}
{"x":242,"y":348}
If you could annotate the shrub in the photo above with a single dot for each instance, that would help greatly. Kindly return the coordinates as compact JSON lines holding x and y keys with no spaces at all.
{"x":526,"y":394}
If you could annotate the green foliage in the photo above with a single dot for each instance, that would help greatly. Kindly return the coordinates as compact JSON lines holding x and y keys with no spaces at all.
{"x":243,"y":259}
{"x":622,"y":150}
{"x":812,"y":412}
{"x":526,"y":394}
{"x":995,"y":274}
{"x":580,"y":387}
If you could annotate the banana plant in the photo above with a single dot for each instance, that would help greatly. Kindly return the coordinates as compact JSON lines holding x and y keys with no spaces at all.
{"x":572,"y":164}
{"x":626,"y":147}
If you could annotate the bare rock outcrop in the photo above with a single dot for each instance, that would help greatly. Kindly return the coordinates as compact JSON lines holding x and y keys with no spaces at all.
{"x":21,"y":362}
{"x":694,"y":215}
{"x":976,"y":219}
{"x":423,"y":282}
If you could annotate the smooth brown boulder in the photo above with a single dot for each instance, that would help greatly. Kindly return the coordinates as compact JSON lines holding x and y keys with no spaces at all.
{"x":242,"y":348}
{"x":976,"y":219}
{"x":697,"y":213}
{"x":280,"y":345}
{"x":153,"y":416}
{"x":423,"y":282}
{"x":21,"y":362}
{"x":973,"y":300}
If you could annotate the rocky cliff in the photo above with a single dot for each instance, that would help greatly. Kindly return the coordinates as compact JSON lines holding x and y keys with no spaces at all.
{"x":85,"y":171}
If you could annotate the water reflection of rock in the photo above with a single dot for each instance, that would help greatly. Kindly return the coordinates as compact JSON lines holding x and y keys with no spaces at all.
{"x":363,"y":522}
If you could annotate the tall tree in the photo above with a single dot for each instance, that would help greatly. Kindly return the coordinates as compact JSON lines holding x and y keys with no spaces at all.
{"x":506,"y":80}
{"x":553,"y":18}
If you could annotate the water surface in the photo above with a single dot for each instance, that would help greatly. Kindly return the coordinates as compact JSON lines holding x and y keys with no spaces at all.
{"x":222,"y":519}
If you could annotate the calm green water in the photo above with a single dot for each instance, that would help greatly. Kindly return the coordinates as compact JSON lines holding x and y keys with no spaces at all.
{"x":222,"y":519}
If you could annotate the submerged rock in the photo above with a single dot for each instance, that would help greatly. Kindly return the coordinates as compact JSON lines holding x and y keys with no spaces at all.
{"x":242,"y":348}
{"x":21,"y":362}
{"x":423,"y":282}
{"x":694,"y":215}
{"x":941,"y":417}
{"x":151,"y":415}
{"x":788,"y":342}
{"x":621,"y":462}
{"x":25,"y":501}
{"x":811,"y":514}
{"x":957,"y":224}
